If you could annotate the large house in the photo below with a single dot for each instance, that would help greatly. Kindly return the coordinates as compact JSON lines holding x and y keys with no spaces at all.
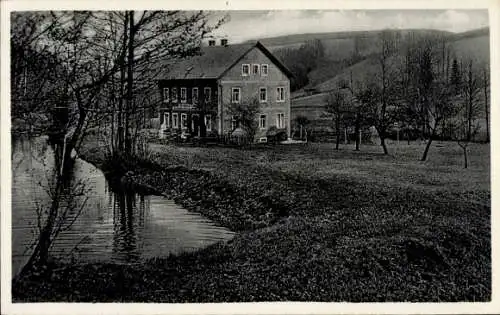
{"x":196,"y":93}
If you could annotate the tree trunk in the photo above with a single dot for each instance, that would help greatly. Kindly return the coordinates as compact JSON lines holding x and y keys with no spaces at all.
{"x":120,"y":117}
{"x":40,"y":254}
{"x":469,"y":121}
{"x":337,"y":140}
{"x":426,"y":151}
{"x":130,"y":83}
{"x":431,"y":136}
{"x":384,"y":146}
{"x":464,"y":148}
{"x":337,"y":132}
{"x":356,"y":132}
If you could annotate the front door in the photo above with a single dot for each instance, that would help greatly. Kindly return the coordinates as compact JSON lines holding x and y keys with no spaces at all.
{"x":195,"y":124}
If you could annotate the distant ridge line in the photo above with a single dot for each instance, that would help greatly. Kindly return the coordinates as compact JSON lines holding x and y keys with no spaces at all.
{"x":293,"y":38}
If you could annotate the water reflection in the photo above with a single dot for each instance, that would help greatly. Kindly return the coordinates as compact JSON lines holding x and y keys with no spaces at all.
{"x":114,"y":225}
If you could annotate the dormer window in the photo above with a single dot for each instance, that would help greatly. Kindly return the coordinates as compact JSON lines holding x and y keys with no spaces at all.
{"x":245,"y":70}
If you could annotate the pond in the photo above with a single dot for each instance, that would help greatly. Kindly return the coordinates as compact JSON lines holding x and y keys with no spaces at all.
{"x":111,"y":224}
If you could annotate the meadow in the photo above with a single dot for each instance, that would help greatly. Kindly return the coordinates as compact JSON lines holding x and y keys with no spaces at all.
{"x":313,"y":223}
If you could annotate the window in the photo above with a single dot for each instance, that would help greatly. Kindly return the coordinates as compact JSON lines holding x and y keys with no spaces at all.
{"x":280,"y":121}
{"x":166,"y":120}
{"x":206,"y":92}
{"x":280,"y":94}
{"x":175,"y":121}
{"x":235,"y":95}
{"x":263,"y":95}
{"x":245,"y":70}
{"x":195,"y":95}
{"x":183,"y":95}
{"x":165,"y":95}
{"x":255,"y":69}
{"x":183,"y":120}
{"x":194,"y":120}
{"x":174,"y":95}
{"x":234,"y":123}
{"x":262,"y":121}
{"x":208,"y":122}
{"x":264,"y":69}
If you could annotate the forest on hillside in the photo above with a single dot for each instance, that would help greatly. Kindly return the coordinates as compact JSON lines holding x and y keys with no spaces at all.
{"x":418,"y":83}
{"x":311,"y":63}
{"x":317,"y":59}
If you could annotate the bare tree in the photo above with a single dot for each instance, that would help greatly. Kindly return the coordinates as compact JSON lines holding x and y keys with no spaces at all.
{"x":92,"y":49}
{"x":78,"y":84}
{"x":463,"y":132}
{"x":336,"y":105}
{"x":354,"y":112}
{"x":466,"y":127}
{"x":486,"y":86}
{"x":426,"y":90}
{"x":153,"y":40}
{"x":385,"y":92}
{"x":34,"y":71}
{"x":439,"y":107}
{"x":471,"y":90}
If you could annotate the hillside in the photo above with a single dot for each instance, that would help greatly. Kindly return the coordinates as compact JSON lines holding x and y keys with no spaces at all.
{"x":476,"y":47}
{"x":338,"y":51}
{"x":472,"y":44}
{"x":338,"y":45}
{"x":469,"y":45}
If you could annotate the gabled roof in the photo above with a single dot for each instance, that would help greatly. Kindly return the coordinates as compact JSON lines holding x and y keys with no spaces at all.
{"x":215,"y":61}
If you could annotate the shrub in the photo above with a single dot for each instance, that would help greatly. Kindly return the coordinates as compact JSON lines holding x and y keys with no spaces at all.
{"x":246,"y":114}
{"x":275,"y":135}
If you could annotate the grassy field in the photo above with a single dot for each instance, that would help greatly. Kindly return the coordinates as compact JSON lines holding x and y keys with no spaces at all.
{"x":314,"y":224}
{"x":443,"y":171}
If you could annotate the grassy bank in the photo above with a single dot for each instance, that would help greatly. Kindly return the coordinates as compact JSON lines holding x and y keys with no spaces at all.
{"x":314,"y":223}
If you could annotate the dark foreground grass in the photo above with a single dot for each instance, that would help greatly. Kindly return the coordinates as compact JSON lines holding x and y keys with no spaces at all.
{"x":313,"y":226}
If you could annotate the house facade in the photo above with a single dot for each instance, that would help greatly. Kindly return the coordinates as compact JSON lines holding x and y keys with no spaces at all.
{"x":197,"y":93}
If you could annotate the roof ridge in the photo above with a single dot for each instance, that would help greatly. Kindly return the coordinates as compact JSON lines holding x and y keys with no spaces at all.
{"x":215,"y":61}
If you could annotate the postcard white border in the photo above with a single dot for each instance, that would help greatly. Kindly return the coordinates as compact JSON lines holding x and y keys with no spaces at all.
{"x":240,"y":308}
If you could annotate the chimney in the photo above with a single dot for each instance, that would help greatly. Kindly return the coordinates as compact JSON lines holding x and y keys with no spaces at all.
{"x":223,"y":42}
{"x":211,"y":42}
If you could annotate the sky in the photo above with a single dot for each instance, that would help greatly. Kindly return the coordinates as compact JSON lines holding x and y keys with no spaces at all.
{"x":244,"y":25}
